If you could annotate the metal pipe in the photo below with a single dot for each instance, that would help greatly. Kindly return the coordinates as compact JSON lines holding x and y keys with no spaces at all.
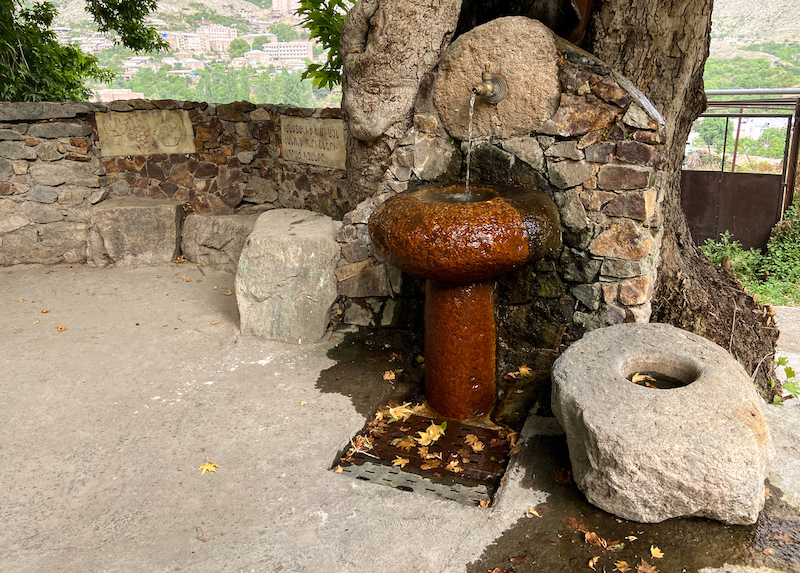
{"x":791,"y":173}
{"x":764,"y":91}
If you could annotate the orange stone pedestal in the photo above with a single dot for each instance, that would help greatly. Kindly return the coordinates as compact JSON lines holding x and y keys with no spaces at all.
{"x":459,"y":348}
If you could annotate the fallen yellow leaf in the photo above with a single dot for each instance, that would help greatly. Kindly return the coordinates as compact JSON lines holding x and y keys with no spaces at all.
{"x":186,"y":279}
{"x":474,"y":443}
{"x":200,"y":535}
{"x":622,"y":566}
{"x":525,"y":371}
{"x":45,"y":310}
{"x":213,"y":322}
{"x":338,"y":470}
{"x":484,"y":503}
{"x":631,"y":538}
{"x":199,"y":280}
{"x":593,"y":539}
{"x":21,"y":299}
{"x":638,"y":377}
{"x":432,"y":464}
{"x":158,"y":276}
{"x":532,"y":513}
{"x":405,"y":443}
{"x":61,"y":328}
{"x":36,"y":321}
{"x":431,"y":434}
{"x":302,"y":403}
{"x":401,"y":412}
{"x":655,"y":552}
{"x":592,"y":562}
{"x":398,"y":461}
{"x":213,"y":288}
{"x":388,"y":375}
{"x":135,"y":266}
{"x":645,"y":567}
{"x":229,"y":293}
{"x":208,"y":467}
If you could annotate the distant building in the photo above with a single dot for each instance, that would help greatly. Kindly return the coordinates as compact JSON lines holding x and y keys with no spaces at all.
{"x":184,"y":42}
{"x":257,"y":57}
{"x":109,"y":95}
{"x":216,"y":31}
{"x":191,"y":64}
{"x":286,"y":53}
{"x":221,"y":45}
{"x":284,"y":7}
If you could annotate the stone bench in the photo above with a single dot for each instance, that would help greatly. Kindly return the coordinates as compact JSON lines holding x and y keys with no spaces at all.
{"x":649,"y":454}
{"x":285,"y":282}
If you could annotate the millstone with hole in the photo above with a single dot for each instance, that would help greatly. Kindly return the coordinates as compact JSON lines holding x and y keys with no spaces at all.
{"x":650,"y":454}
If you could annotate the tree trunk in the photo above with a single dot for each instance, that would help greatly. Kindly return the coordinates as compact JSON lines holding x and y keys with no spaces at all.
{"x":388,"y":46}
{"x":662,"y":46}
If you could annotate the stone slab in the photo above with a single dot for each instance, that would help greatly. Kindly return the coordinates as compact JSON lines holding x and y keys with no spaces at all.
{"x":216,"y":240}
{"x":145,"y":132}
{"x":646,"y":454}
{"x":314,"y":141}
{"x":134,"y":230}
{"x":285,"y":282}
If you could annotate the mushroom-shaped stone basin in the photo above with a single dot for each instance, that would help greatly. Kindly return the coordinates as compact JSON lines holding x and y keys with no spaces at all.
{"x":447,"y":234}
{"x":459,"y":241}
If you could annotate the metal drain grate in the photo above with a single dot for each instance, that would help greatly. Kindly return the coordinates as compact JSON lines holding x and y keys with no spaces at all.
{"x":407,"y":481}
{"x":466,"y":464}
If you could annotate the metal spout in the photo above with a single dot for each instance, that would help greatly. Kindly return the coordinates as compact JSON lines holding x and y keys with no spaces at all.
{"x":492,"y":87}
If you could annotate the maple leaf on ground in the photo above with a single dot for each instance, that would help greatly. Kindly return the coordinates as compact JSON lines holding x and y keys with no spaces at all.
{"x":202,"y":536}
{"x":592,"y":562}
{"x":405,"y":443}
{"x":622,"y":566}
{"x":401,"y":412}
{"x":338,"y":470}
{"x":645,"y":567}
{"x":61,"y":327}
{"x":593,"y":539}
{"x":389,"y":375}
{"x":208,"y":467}
{"x":474,"y":443}
{"x":45,"y":310}
{"x":432,"y":464}
{"x":575,"y":525}
{"x":484,"y":503}
{"x":453,"y":467}
{"x":525,"y":371}
{"x":398,"y":461}
{"x":655,"y":552}
{"x":431,"y":434}
{"x":638,"y":378}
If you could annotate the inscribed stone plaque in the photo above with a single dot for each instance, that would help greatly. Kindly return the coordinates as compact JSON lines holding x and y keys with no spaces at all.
{"x":315,"y":141}
{"x":145,"y":132}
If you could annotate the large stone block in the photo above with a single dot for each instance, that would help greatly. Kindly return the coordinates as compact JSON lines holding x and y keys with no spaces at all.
{"x":520,"y":50}
{"x":650,"y":454}
{"x":285,"y":283}
{"x":134,"y":230}
{"x":216,"y":240}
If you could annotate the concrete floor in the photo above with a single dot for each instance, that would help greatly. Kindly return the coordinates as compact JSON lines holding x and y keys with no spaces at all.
{"x":106,"y":423}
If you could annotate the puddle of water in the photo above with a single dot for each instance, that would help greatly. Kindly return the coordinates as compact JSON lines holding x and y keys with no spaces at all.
{"x":555,"y":542}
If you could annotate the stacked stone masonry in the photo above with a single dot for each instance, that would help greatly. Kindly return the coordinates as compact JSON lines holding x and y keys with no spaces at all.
{"x":53,"y":175}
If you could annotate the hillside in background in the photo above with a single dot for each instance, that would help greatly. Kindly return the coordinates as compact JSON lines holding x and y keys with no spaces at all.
{"x":739,"y":23}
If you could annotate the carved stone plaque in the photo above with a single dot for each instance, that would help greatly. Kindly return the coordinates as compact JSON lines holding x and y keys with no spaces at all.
{"x":145,"y":132}
{"x":314,"y":141}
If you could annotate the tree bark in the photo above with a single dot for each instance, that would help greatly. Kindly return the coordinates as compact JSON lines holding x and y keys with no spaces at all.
{"x":662,"y":46}
{"x":388,"y":46}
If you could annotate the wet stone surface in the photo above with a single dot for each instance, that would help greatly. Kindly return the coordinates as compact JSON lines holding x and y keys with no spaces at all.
{"x":557,"y":540}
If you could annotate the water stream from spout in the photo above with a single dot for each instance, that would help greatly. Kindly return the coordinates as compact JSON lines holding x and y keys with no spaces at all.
{"x":469,"y":141}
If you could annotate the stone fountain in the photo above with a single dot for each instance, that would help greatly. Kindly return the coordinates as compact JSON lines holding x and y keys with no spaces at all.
{"x":458,"y":241}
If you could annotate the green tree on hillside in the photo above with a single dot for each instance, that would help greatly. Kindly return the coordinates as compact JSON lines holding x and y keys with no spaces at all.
{"x":284,"y":32}
{"x":259,"y":41}
{"x":35,"y":67}
{"x":238,"y":47}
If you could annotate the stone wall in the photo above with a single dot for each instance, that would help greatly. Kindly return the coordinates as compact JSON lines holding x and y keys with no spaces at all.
{"x":53,"y":175}
{"x":599,"y":153}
